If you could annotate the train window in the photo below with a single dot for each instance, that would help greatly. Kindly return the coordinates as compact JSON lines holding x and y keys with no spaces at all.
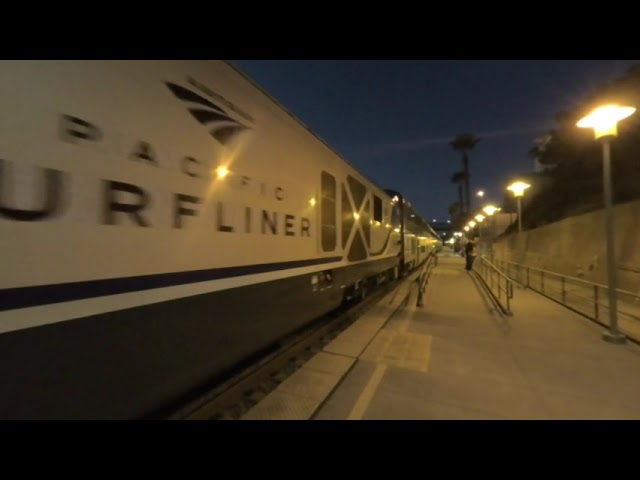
{"x":347,"y":217}
{"x":377,"y":209}
{"x":328,"y":212}
{"x":358,"y":191}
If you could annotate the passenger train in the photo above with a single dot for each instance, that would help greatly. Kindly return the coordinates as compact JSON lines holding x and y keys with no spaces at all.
{"x":163,"y":221}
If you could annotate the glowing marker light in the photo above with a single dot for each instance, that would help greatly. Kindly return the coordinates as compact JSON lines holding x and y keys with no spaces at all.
{"x":222,"y":171}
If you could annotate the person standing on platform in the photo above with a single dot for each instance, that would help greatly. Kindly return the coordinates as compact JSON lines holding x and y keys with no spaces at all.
{"x":470,"y":251}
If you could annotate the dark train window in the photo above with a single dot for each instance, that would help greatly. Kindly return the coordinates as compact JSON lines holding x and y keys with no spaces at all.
{"x":347,"y":217}
{"x":328,"y":212}
{"x":358,"y":191}
{"x":377,"y":209}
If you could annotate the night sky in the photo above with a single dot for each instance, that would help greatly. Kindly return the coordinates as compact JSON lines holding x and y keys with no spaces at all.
{"x":393,"y":119}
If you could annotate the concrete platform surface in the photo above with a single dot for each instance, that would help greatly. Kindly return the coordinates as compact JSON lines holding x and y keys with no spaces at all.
{"x":457,"y":358}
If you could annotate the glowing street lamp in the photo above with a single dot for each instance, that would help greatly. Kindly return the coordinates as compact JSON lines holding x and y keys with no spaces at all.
{"x":518,"y":189}
{"x":604,"y":121}
{"x":490,"y":210}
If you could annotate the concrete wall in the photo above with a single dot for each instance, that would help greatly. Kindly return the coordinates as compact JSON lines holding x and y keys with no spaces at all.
{"x":576,"y":246}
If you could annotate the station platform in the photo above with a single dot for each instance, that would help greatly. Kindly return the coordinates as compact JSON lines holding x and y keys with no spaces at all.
{"x":458,"y":358}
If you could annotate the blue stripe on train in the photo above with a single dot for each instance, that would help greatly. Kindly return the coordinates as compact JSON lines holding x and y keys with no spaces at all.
{"x":13,"y":298}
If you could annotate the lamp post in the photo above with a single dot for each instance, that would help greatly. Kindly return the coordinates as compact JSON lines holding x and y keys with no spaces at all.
{"x":490,"y":210}
{"x":479,"y":218}
{"x":604,"y":121}
{"x":481,"y":238}
{"x":518,"y":189}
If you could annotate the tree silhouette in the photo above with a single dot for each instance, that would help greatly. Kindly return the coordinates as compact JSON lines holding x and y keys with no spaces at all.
{"x":464,"y":143}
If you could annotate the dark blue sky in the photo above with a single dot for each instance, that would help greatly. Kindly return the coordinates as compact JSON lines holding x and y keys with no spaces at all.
{"x":393,"y":119}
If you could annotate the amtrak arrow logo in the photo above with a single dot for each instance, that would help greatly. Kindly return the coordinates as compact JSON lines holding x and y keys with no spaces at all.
{"x":221,"y":126}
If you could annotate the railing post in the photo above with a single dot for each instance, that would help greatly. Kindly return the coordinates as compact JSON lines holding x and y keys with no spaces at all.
{"x":508,"y":299}
{"x":491,"y":281}
{"x":422,"y":279}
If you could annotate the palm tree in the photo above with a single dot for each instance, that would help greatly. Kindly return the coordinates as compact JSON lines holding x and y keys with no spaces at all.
{"x":538,"y":150}
{"x":464,"y":143}
{"x":458,"y":179}
{"x":457,"y":214}
{"x":534,"y":154}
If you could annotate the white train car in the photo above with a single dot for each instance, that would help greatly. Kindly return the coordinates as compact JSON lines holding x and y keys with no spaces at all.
{"x":418,"y":239}
{"x":160,"y":222}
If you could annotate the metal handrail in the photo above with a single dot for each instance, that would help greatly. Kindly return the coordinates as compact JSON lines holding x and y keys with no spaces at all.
{"x":594,"y":312}
{"x":489,"y":272}
{"x":576,"y":279}
{"x":423,"y":278}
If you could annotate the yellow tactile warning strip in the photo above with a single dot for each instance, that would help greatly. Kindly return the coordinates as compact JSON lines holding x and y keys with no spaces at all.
{"x":400,"y":349}
{"x":282,"y":406}
{"x":300,"y":395}
{"x":355,"y":339}
{"x":403,"y":324}
{"x":394,"y":345}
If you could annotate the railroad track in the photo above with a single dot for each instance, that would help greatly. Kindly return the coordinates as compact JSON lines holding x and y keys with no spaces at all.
{"x":232,"y":399}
